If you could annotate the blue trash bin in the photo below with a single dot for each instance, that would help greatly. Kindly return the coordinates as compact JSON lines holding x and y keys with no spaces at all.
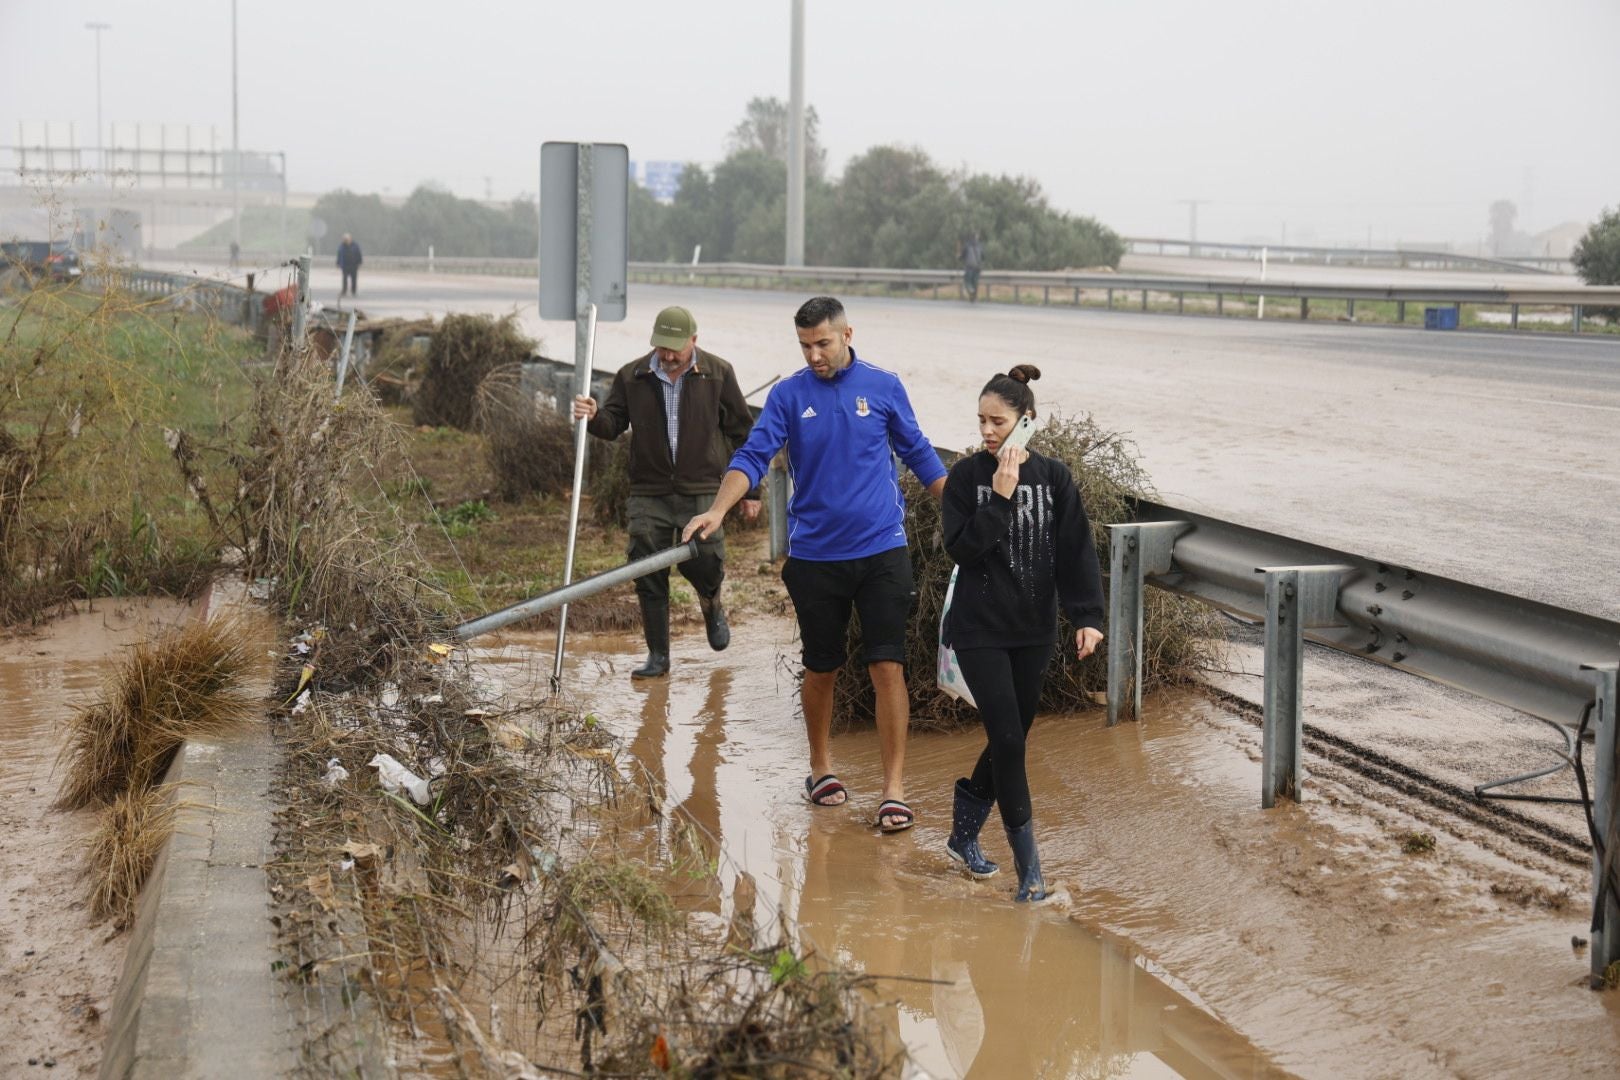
{"x":1440,"y":318}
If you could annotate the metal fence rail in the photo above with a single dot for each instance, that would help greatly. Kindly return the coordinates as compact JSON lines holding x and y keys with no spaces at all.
{"x":217,"y":299}
{"x":1407,"y":258}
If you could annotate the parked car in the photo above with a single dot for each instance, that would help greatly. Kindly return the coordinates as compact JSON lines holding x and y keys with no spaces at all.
{"x":52,"y":260}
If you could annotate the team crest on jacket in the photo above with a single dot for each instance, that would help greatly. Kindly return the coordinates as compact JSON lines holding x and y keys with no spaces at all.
{"x":861,"y":408}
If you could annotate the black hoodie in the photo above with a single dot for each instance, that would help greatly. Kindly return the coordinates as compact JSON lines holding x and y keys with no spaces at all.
{"x":1018,"y":556}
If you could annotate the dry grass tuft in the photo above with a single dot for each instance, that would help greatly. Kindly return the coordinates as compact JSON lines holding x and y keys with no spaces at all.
{"x":130,"y":835}
{"x":185,"y":684}
{"x":530,"y":449}
{"x":1181,"y":637}
{"x":463,"y":350}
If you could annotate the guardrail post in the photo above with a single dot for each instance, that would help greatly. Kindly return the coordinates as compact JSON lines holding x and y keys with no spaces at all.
{"x":1181,"y":303}
{"x":1304,"y":308}
{"x":776,"y":492}
{"x":301,"y":304}
{"x":1297,"y":597}
{"x":1515,"y":322}
{"x":1400,"y":311}
{"x":1144,"y":299}
{"x":1606,"y":816}
{"x":1220,"y":304}
{"x":1577,"y":320}
{"x":1350,"y":308}
{"x":1136,"y":550}
{"x":1110,"y":299}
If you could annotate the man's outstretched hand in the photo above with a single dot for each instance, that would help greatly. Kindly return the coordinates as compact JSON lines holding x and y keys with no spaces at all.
{"x":702,"y":525}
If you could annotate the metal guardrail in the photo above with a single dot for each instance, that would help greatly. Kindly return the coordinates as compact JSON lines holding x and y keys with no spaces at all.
{"x":1410,"y":258}
{"x":1551,"y":663}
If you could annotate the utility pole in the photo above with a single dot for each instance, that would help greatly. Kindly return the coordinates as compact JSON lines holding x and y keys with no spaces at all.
{"x":101,"y":147}
{"x":236,"y":145}
{"x":1192,"y":224}
{"x":795,"y":143}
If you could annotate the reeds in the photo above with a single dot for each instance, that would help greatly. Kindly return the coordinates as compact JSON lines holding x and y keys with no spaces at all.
{"x":185,"y":684}
{"x":129,"y":836}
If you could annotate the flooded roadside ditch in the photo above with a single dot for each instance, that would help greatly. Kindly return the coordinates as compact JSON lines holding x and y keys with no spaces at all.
{"x":1285,"y":942}
{"x":61,"y":962}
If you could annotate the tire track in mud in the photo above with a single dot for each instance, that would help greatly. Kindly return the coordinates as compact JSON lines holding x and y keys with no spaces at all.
{"x":1548,"y":840}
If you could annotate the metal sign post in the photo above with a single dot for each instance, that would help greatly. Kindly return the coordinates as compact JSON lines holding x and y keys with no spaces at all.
{"x":584,"y":227}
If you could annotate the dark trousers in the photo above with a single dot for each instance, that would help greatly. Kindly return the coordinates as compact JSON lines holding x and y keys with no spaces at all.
{"x":351,"y":281}
{"x":656,"y":522}
{"x":1006,"y":684}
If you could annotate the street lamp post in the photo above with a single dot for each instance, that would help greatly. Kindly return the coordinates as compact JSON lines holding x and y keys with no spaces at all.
{"x":236,"y":146}
{"x":101,"y":147}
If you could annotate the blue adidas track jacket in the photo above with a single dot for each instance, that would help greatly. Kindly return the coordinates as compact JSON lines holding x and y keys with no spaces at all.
{"x":841,"y":434}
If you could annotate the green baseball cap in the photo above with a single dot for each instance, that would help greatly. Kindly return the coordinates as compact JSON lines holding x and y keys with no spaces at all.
{"x":673,"y":329}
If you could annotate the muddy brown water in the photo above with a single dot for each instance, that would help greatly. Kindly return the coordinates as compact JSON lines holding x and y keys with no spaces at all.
{"x":1193,"y":934}
{"x":58,"y":965}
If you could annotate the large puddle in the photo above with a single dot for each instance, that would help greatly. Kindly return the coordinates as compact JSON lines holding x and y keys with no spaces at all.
{"x":1194,"y":934}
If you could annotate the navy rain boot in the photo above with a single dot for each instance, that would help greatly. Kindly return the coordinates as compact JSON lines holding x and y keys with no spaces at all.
{"x":1028,"y":862}
{"x":967,"y":818}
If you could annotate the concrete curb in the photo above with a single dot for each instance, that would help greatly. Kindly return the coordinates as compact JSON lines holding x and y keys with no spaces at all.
{"x":197,"y":997}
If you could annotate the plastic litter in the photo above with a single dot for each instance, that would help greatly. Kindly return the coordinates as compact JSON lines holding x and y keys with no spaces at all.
{"x":395,"y":776}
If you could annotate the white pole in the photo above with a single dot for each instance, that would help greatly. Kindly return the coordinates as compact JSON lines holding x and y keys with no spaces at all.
{"x":101,"y":147}
{"x":795,"y":144}
{"x":1262,"y":313}
{"x":236,"y":145}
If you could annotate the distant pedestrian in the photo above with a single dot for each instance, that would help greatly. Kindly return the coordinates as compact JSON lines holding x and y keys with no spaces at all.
{"x":348,"y":261}
{"x":686,"y":416}
{"x":1015,"y":526}
{"x":972,"y":263}
{"x":236,"y":255}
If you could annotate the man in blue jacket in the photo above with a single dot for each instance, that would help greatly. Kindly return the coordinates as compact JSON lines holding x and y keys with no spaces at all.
{"x":842,"y":421}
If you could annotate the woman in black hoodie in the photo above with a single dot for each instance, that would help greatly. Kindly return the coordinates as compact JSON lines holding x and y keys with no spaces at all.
{"x":1018,"y":533}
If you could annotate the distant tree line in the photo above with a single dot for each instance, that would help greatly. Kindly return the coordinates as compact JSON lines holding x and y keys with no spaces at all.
{"x":453,"y":226}
{"x":892,"y":207}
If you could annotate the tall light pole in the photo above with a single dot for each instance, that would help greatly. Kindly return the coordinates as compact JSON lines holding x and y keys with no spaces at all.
{"x":1192,"y":225}
{"x":101,"y":147}
{"x":795,"y":144}
{"x":236,"y":146}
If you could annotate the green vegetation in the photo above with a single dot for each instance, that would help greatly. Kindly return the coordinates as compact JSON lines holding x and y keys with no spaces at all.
{"x":1597,"y":256}
{"x":109,"y":401}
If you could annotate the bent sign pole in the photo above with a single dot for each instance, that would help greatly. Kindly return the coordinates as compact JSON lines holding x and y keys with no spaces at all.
{"x":579,"y":590}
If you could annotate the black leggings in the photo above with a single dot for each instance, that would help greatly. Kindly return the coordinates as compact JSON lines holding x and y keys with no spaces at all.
{"x":1006,"y":684}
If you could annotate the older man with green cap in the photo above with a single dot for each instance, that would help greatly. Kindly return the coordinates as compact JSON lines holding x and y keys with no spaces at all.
{"x":686,"y":417}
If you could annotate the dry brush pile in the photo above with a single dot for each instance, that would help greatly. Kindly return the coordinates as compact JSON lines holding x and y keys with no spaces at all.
{"x":1180,"y":638}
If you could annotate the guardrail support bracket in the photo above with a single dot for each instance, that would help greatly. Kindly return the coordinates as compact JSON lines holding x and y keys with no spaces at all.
{"x":1606,"y":816}
{"x":1136,"y":550}
{"x":1297,"y":598}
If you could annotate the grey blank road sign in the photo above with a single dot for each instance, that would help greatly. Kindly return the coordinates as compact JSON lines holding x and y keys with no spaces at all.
{"x":559,"y":223}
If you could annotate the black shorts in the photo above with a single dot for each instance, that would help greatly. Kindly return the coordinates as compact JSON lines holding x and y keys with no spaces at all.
{"x":879,"y":588}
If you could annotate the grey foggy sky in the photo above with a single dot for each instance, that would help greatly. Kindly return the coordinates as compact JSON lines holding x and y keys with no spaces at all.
{"x":1406,"y":118}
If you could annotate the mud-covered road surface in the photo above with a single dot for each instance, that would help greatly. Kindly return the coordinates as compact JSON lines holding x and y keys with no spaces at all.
{"x":1193,"y":935}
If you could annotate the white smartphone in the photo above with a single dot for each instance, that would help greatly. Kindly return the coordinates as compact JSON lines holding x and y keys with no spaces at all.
{"x":1021,"y":433}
